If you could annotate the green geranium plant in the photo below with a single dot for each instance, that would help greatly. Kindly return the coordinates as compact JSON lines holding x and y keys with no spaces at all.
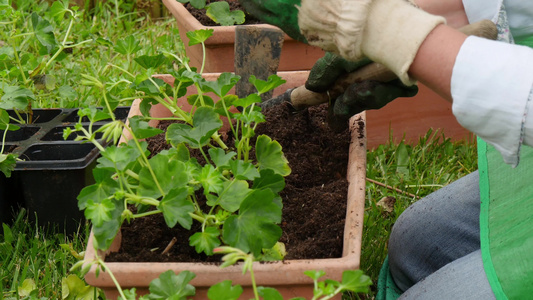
{"x":241,"y":193}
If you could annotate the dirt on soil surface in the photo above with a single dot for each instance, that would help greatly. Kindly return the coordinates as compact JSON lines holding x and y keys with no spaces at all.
{"x":314,"y":199}
{"x":200,"y":15}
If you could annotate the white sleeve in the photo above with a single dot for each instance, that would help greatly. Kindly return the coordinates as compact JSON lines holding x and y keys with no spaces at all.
{"x":491,"y":85}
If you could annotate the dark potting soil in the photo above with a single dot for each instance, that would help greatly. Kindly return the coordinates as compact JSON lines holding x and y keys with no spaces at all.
{"x":200,"y":15}
{"x":314,"y":199}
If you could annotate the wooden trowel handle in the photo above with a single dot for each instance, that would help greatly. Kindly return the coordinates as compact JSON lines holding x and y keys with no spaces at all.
{"x":302,"y":97}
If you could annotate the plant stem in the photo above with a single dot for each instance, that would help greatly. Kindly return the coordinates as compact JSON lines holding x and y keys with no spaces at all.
{"x":148,"y":213}
{"x":254,"y":285}
{"x":146,"y":161}
{"x":121,"y":69}
{"x":104,"y":94}
{"x":115,"y":281}
{"x":197,"y":217}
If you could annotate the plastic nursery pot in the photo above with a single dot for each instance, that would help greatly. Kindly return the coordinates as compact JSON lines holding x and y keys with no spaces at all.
{"x":286,"y":276}
{"x":220,"y":47}
{"x":53,"y":171}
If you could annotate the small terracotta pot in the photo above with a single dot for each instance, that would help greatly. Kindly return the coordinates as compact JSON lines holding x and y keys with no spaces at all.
{"x":286,"y":276}
{"x":220,"y":47}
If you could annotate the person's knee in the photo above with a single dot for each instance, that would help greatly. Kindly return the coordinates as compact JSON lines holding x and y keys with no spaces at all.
{"x":422,"y":235}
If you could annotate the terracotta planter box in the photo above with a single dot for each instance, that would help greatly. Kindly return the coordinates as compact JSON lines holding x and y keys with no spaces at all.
{"x":220,"y":47}
{"x":286,"y":276}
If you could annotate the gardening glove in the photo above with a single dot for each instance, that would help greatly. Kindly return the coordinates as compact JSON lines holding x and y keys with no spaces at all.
{"x":385,"y":31}
{"x":365,"y":95}
{"x":359,"y":96}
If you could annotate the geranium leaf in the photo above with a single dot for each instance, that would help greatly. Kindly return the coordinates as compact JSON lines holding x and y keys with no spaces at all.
{"x":271,"y":83}
{"x":254,"y":228}
{"x":205,"y":122}
{"x":211,"y":179}
{"x":222,"y":85}
{"x":205,"y":241}
{"x":16,"y":97}
{"x":44,"y":32}
{"x":76,"y":289}
{"x":148,"y":62}
{"x":249,"y":100}
{"x":221,"y":14}
{"x":105,"y":233}
{"x":199,"y":36}
{"x":58,"y":10}
{"x":315,"y":274}
{"x":269,"y":180}
{"x":270,"y":156}
{"x":225,"y":291}
{"x":118,"y":158}
{"x":243,"y":170}
{"x":127,"y":46}
{"x":355,"y":281}
{"x":199,"y":4}
{"x":176,"y":208}
{"x":269,"y":293}
{"x":220,"y":158}
{"x":170,"y":175}
{"x":172,"y":286}
{"x":100,"y":211}
{"x":148,"y":87}
{"x":7,"y":163}
{"x":141,"y":129}
{"x":233,"y":195}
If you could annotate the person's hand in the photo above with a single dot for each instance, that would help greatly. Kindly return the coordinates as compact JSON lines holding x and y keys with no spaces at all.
{"x":363,"y":96}
{"x":359,"y":96}
{"x":385,"y":31}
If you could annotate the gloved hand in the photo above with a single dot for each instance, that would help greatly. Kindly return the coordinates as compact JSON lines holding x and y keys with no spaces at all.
{"x":386,"y":31}
{"x":359,"y":96}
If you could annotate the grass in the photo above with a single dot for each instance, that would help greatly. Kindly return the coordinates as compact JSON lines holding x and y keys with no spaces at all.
{"x":34,"y":257}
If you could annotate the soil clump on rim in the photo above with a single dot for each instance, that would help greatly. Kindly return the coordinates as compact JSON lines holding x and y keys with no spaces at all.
{"x":314,"y":199}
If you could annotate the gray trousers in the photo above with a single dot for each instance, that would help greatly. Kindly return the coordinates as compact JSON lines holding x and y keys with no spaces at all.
{"x":434,"y":248}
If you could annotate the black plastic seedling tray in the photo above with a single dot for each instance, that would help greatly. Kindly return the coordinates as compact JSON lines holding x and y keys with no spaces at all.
{"x":52,"y":171}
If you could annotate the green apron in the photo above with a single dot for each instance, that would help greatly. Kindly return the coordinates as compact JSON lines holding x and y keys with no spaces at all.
{"x":506,"y":223}
{"x":506,"y":220}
